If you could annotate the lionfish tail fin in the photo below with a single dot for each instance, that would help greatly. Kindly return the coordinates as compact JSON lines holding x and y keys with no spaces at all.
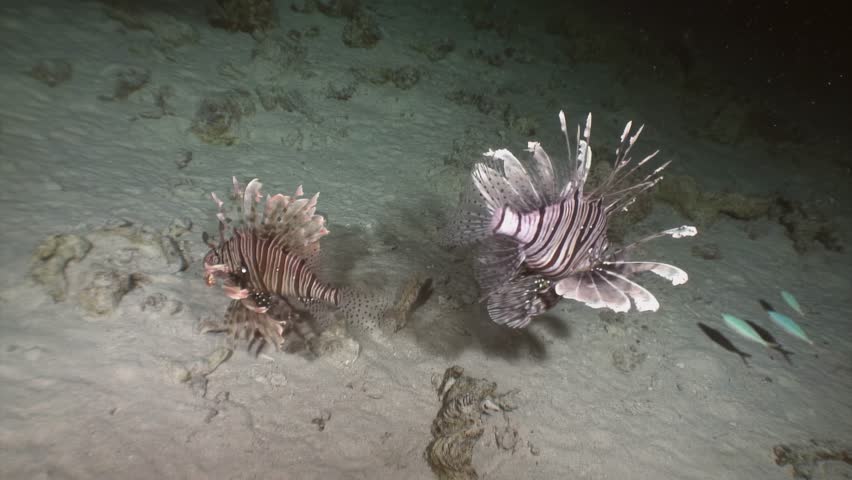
{"x":292,"y":220}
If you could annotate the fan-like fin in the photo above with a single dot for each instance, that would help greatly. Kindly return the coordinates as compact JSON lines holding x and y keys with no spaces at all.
{"x":671,"y":273}
{"x":517,"y":302}
{"x":291,"y":220}
{"x":498,"y":260}
{"x":516,"y":175}
{"x":594,"y":290}
{"x":642,"y":298}
{"x":493,"y":186}
{"x":542,"y":173}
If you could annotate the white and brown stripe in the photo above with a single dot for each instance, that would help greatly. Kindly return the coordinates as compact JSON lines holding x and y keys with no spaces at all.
{"x":557,"y":239}
{"x":270,"y":268}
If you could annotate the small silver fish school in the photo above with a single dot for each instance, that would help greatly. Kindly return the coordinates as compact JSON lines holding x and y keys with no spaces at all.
{"x":792,"y":302}
{"x":745,"y":330}
{"x":789,"y":326}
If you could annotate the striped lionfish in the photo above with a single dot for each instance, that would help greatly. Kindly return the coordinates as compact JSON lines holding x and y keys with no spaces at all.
{"x":267,"y":266}
{"x":267,"y":262}
{"x":540,"y":238}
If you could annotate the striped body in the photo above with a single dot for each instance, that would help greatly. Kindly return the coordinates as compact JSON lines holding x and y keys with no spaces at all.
{"x":262,"y":265}
{"x":560,"y":239}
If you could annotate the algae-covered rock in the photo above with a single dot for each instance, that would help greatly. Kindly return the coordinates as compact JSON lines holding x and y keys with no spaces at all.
{"x":51,"y":258}
{"x":807,"y":226}
{"x":459,"y":425}
{"x":219,"y":115}
{"x":104,"y":290}
{"x":243,"y":15}
{"x":361,"y":31}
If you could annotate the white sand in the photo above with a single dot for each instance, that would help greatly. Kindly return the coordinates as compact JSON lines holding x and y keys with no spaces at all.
{"x":85,"y":396}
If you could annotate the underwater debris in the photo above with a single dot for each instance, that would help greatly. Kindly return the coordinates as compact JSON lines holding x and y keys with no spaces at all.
{"x":541,"y":237}
{"x":340,"y":92}
{"x":273,"y":97}
{"x":628,"y":358}
{"x":169,"y":33}
{"x":361,"y":31}
{"x":51,"y":258}
{"x":435,"y":50}
{"x":220,"y":114}
{"x":280,"y":52}
{"x":247,"y":16}
{"x":404,"y":77}
{"x":195,"y":376}
{"x":331,"y":8}
{"x":126,"y":80}
{"x":702,"y":207}
{"x":51,"y":72}
{"x":458,"y":424}
{"x":335,"y":345}
{"x":96,"y":270}
{"x":806,"y":225}
{"x":160,"y":99}
{"x":804,"y":458}
{"x":104,"y":289}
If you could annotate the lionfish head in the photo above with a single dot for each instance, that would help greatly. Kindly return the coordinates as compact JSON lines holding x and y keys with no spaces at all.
{"x":214,"y":267}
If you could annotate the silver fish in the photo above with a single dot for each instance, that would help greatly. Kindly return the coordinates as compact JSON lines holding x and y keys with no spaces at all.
{"x":789,"y":325}
{"x":745,"y":330}
{"x":792,"y":302}
{"x":541,"y":236}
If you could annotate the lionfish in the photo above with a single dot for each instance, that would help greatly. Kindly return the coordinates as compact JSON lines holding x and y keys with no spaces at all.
{"x":267,"y":264}
{"x":541,"y":238}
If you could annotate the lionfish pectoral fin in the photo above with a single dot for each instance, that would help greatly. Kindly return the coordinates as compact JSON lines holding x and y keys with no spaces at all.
{"x":518,"y":301}
{"x":605,"y":289}
{"x":498,"y":261}
{"x":644,"y":300}
{"x":671,"y":273}
{"x":235,"y":292}
{"x":595,"y":290}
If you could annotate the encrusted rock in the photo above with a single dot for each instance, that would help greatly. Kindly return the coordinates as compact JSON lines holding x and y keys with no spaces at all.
{"x":51,"y":258}
{"x":458,"y":424}
{"x":219,"y":115}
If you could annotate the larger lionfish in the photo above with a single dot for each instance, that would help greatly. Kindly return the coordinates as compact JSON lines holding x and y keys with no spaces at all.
{"x":541,"y":237}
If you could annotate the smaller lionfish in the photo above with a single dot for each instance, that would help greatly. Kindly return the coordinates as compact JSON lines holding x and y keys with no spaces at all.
{"x":267,"y":262}
{"x":541,"y":237}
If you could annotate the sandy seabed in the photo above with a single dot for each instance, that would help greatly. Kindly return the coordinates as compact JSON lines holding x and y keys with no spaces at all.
{"x":132,"y":390}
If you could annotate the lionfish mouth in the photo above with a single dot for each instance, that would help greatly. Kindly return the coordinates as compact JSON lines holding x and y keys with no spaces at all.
{"x":210,"y":271}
